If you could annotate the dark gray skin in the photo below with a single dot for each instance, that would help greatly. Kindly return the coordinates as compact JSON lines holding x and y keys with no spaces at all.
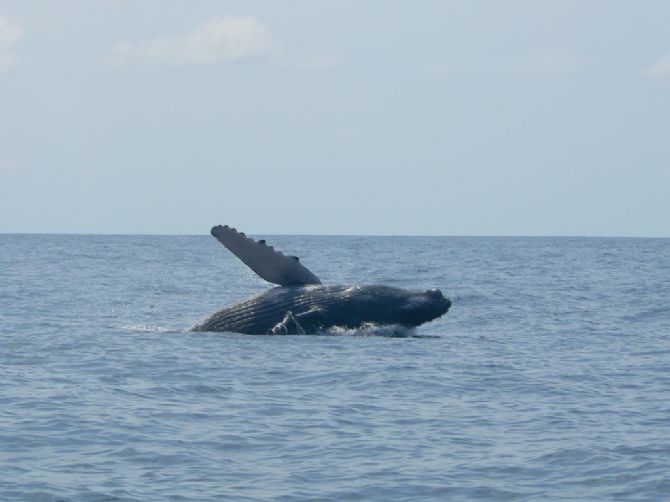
{"x":311,"y":308}
{"x":302,"y":305}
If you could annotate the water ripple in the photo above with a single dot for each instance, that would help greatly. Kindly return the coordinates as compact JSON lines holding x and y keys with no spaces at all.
{"x":549,"y":378}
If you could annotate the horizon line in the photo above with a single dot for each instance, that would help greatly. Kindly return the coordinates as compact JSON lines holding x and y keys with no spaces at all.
{"x":524,"y":236}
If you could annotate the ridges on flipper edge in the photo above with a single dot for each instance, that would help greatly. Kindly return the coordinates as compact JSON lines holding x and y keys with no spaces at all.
{"x":270,"y":264}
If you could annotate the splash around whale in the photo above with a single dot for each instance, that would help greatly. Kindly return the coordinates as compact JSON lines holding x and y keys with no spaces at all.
{"x":302,"y":305}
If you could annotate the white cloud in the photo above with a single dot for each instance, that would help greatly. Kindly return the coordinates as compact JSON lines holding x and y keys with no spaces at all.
{"x":556,"y":62}
{"x":7,"y":164}
{"x":347,"y":133}
{"x":219,"y":40}
{"x":10,"y":34}
{"x":660,"y":68}
{"x":324,"y":60}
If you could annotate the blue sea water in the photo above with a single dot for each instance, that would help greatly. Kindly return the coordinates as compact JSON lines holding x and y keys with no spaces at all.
{"x":549,"y":379}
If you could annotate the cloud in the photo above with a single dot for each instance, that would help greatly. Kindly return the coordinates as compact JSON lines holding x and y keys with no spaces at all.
{"x":347,"y":133}
{"x":219,"y":40}
{"x":660,"y":68}
{"x":10,"y":34}
{"x":7,"y":164}
{"x":324,"y":60}
{"x":556,"y":62}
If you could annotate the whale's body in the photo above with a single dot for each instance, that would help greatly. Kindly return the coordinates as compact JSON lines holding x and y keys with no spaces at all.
{"x":314,"y":308}
{"x":302,"y":305}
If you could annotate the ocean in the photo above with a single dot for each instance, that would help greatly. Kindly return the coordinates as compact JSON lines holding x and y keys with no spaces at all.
{"x":549,"y":378}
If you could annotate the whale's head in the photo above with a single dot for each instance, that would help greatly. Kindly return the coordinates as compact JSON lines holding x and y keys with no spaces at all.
{"x":390,"y":305}
{"x":423,"y":306}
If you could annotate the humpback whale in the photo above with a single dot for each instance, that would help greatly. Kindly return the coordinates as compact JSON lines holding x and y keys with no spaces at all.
{"x":302,"y":305}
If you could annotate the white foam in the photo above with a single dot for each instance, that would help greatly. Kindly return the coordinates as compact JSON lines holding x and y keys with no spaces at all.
{"x":145,"y":328}
{"x":393,"y":330}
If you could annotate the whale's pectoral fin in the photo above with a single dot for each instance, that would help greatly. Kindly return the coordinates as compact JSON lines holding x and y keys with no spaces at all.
{"x":312,"y":320}
{"x":288,"y":326}
{"x":267,"y":262}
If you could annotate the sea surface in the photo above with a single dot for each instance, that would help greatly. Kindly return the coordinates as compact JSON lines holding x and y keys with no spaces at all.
{"x":549,"y":379}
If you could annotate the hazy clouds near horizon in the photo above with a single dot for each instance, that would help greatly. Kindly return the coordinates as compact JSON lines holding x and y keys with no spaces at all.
{"x":338,"y":117}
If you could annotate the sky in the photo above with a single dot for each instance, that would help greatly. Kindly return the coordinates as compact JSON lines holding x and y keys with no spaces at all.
{"x":335,"y":117}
